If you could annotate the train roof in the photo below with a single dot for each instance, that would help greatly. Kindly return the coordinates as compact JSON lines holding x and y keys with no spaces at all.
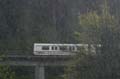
{"x":56,"y":44}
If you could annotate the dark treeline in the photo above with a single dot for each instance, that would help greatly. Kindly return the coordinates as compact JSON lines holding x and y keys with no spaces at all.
{"x":24,"y":22}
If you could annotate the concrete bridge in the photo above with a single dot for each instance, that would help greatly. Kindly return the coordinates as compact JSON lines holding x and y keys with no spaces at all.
{"x":39,"y":62}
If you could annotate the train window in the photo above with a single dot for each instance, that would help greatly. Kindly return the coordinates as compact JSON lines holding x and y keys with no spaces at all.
{"x":63,"y":48}
{"x":71,"y":48}
{"x":78,"y":48}
{"x":54,"y":48}
{"x":45,"y":47}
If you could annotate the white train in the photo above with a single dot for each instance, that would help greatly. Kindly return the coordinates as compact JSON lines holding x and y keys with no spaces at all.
{"x":57,"y":49}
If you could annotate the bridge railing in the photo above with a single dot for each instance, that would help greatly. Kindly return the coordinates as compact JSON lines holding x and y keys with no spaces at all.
{"x":15,"y":52}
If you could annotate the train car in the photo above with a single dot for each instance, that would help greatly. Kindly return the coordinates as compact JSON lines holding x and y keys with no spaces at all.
{"x":57,"y":49}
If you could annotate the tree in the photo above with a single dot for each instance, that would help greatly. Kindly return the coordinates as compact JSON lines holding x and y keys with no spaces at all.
{"x":98,"y":28}
{"x":6,"y":73}
{"x":5,"y":70}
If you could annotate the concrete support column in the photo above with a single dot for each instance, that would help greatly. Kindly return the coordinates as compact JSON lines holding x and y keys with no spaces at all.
{"x":39,"y":72}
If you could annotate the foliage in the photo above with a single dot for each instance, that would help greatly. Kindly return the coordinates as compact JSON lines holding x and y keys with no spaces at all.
{"x":82,"y":66}
{"x":24,"y":22}
{"x":6,"y":73}
{"x":93,"y":24}
{"x":98,"y":28}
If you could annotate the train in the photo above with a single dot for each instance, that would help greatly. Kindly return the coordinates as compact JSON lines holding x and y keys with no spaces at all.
{"x":57,"y":49}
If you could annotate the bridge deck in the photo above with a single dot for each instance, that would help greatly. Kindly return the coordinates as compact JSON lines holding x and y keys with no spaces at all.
{"x":31,"y":60}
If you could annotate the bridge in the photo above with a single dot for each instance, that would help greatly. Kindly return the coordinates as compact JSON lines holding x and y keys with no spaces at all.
{"x":44,"y":55}
{"x":39,"y":62}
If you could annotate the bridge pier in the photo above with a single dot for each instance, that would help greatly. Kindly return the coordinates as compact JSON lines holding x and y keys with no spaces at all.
{"x":39,"y":72}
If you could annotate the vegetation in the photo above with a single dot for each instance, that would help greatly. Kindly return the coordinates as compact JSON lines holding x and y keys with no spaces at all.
{"x":98,"y":28}
{"x":23,"y":23}
{"x":6,"y":73}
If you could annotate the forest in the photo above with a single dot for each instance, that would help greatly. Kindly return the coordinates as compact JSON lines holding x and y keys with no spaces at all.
{"x":25,"y":22}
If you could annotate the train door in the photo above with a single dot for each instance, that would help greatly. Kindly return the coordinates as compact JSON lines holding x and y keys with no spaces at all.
{"x":54,"y":48}
{"x":72,"y":48}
